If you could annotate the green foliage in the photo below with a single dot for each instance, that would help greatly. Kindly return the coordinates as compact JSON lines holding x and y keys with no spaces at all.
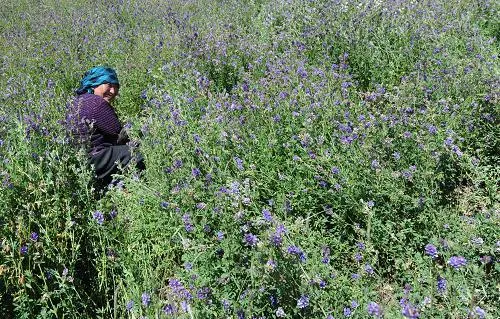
{"x":301,"y":158}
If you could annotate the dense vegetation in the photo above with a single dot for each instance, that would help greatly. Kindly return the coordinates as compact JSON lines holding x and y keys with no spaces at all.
{"x":305,"y":159}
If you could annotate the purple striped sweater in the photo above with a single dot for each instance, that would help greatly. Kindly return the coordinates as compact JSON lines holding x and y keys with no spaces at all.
{"x":93,"y":120}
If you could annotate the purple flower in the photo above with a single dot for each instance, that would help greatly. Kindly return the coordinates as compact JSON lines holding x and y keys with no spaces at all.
{"x":185,"y":306}
{"x":98,"y":217}
{"x":374,"y":310}
{"x":432,"y":129}
{"x":355,"y":276}
{"x":347,"y":312}
{"x":480,"y":312}
{"x":396,"y":156}
{"x":146,"y":299}
{"x":225,"y":304}
{"x":23,"y":250}
{"x":239,"y":163}
{"x":271,"y":265}
{"x":277,"y":237}
{"x":178,"y":163}
{"x":375,"y":164}
{"x":164,"y":204}
{"x":303,"y":302}
{"x":369,"y":269}
{"x":169,"y":309}
{"x":195,"y":172}
{"x":113,"y":213}
{"x":457,"y":262}
{"x":34,"y":236}
{"x":335,"y":170}
{"x":410,"y":311}
{"x":441,"y":285}
{"x":187,"y":223}
{"x":360,"y":245}
{"x":267,"y":215}
{"x":326,"y":255}
{"x":220,"y":235}
{"x":130,"y":305}
{"x":294,"y":250}
{"x":431,"y":250}
{"x":251,"y":239}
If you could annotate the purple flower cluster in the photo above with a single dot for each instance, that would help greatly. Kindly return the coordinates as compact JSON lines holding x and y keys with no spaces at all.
{"x":303,"y":302}
{"x":374,"y":310}
{"x":276,"y":237}
{"x":457,"y":262}
{"x":98,"y":217}
{"x":294,"y":250}
{"x":441,"y":285}
{"x":431,"y":250}
{"x":250,"y":239}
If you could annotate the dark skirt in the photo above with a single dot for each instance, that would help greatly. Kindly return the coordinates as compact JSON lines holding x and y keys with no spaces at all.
{"x":107,"y":161}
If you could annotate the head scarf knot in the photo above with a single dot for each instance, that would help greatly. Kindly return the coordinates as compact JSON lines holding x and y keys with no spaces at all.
{"x":95,"y":77}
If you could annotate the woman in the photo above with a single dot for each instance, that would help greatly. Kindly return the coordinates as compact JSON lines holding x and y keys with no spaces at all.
{"x":94,"y":123}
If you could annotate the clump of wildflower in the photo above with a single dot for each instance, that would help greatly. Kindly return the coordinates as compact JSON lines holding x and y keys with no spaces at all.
{"x":146,"y":299}
{"x":225,"y":304}
{"x":481,"y":314}
{"x":23,"y":250}
{"x":130,"y":305}
{"x":457,"y":262}
{"x":195,"y":172}
{"x":303,"y":302}
{"x":267,"y":215}
{"x":98,"y":217}
{"x":360,"y":245}
{"x":410,"y":311}
{"x":369,"y":269}
{"x":271,"y":264}
{"x":374,"y":309}
{"x":326,"y":255}
{"x":34,"y":236}
{"x":239,"y":163}
{"x":358,"y":257}
{"x":220,"y":235}
{"x":441,"y":285}
{"x":431,"y":250}
{"x":347,"y":312}
{"x":186,"y":219}
{"x":169,"y":309}
{"x":250,"y":239}
{"x":294,"y":250}
{"x":276,"y":238}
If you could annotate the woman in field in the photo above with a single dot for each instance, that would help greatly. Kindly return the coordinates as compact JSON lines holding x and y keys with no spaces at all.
{"x":94,"y":123}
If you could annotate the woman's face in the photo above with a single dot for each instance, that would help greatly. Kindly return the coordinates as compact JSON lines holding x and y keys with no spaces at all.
{"x":107,"y":91}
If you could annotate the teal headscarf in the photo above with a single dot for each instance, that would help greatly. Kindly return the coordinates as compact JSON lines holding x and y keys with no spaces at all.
{"x":95,"y":77}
